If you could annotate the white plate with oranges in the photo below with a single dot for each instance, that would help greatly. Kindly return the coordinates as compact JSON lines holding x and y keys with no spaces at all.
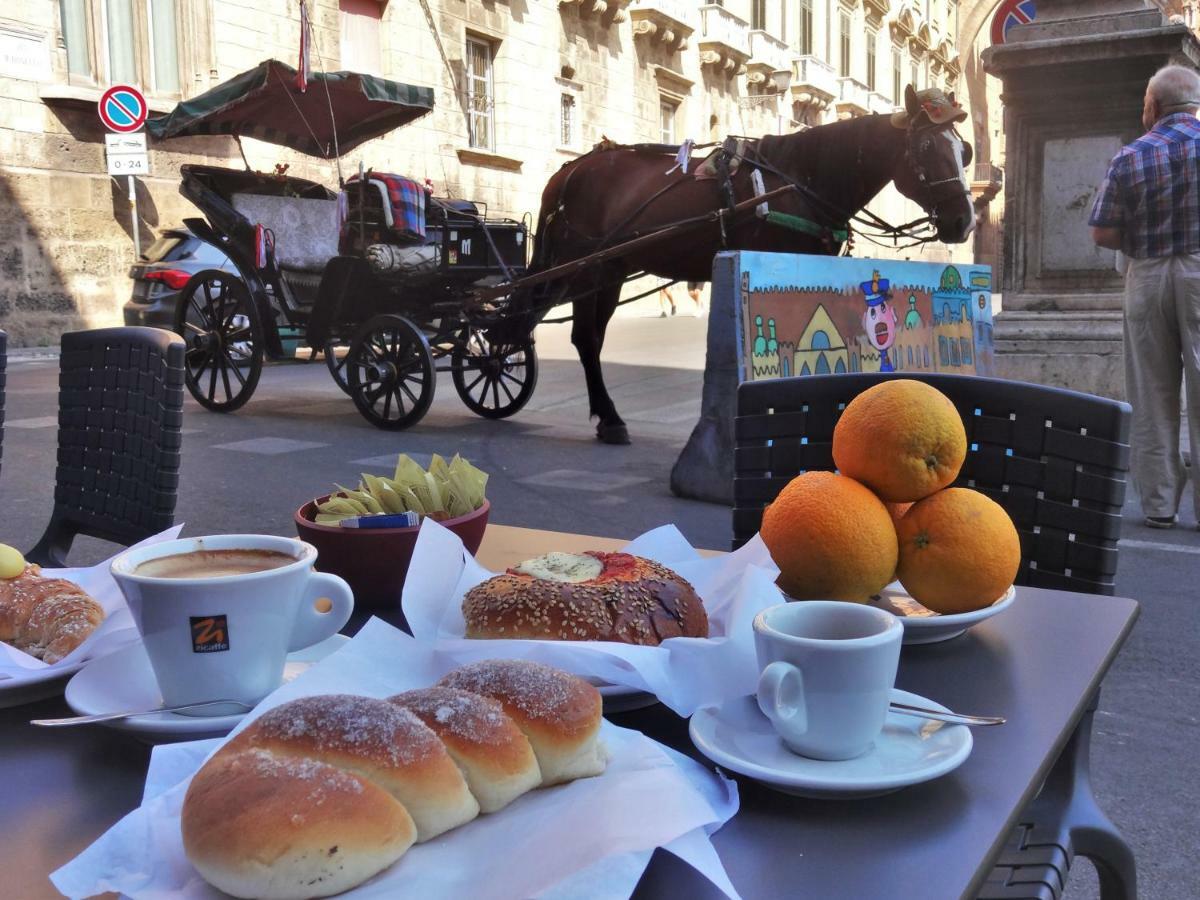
{"x":923,"y":625}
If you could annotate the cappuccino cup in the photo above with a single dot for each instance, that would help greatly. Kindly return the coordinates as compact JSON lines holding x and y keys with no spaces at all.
{"x":218,"y":615}
{"x":828,"y":668}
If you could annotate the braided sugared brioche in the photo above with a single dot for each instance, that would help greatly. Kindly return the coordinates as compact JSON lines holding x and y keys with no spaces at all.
{"x":261,"y":824}
{"x":46,"y":617}
{"x":319,"y":794}
{"x":493,"y":753}
{"x":559,"y":713}
{"x":376,"y":740}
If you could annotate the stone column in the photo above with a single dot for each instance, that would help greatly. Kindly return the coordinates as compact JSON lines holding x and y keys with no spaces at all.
{"x":1073,"y":88}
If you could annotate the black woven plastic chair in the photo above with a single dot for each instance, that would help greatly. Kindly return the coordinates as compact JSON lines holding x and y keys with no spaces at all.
{"x":120,"y":409}
{"x":1057,"y":461}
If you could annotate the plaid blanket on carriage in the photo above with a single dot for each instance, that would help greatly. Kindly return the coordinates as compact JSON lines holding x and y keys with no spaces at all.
{"x":405,"y":206}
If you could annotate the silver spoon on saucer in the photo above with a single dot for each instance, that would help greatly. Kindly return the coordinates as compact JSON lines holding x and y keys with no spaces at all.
{"x":110,"y":717}
{"x":920,"y":712}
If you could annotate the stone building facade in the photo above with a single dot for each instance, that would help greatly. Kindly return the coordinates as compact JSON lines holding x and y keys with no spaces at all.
{"x":521,"y":87}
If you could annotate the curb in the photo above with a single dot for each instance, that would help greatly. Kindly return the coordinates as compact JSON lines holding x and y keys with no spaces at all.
{"x":21,"y":354}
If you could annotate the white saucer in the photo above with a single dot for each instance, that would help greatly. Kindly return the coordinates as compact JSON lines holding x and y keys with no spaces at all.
{"x":736,"y":736}
{"x":924,"y":626}
{"x":124,"y":680}
{"x":35,"y":684}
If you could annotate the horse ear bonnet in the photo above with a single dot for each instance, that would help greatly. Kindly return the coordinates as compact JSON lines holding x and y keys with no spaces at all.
{"x":928,"y":107}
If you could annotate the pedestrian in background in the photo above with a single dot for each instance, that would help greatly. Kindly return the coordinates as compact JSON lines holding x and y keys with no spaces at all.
{"x":1148,"y":208}
{"x":664,"y":297}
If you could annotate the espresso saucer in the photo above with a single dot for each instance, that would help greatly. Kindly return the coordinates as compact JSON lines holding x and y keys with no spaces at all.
{"x":738,"y":737}
{"x":124,"y":680}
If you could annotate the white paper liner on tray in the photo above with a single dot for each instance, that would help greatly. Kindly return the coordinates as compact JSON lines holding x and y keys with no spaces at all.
{"x":587,"y":840}
{"x":115,"y":631}
{"x":684,"y":673}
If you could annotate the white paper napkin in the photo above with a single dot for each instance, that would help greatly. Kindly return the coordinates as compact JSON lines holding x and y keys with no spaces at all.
{"x":684,"y":673}
{"x":115,"y":631}
{"x":587,"y":840}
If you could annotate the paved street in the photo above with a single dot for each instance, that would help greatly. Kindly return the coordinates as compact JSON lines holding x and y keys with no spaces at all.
{"x":300,"y":435}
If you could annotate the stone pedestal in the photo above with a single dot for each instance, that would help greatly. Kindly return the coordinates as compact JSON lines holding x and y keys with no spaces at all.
{"x":1073,"y":89}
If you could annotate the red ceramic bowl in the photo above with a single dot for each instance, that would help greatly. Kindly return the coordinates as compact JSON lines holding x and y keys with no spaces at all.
{"x":374,"y":561}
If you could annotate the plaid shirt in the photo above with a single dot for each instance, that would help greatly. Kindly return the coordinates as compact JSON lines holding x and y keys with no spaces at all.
{"x":1152,"y":190}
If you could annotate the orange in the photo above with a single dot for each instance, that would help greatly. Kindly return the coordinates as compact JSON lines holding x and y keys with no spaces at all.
{"x":831,"y":538}
{"x":959,"y":551}
{"x":901,"y":438}
{"x":897,"y":511}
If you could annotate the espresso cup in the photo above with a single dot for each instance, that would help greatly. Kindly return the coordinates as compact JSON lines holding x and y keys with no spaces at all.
{"x":228,"y":636}
{"x":827,"y":673}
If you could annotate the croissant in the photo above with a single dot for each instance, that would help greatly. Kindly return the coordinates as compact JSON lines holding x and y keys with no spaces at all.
{"x":46,"y":617}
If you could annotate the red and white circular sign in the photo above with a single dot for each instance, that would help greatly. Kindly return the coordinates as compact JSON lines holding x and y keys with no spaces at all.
{"x":123,"y":109}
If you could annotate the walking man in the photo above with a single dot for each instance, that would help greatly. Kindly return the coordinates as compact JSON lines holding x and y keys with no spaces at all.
{"x":1149,"y":208}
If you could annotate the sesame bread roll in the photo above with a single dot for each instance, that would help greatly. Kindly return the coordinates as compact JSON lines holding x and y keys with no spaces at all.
{"x":373,"y":739}
{"x":589,"y":596}
{"x":493,"y":753}
{"x":558,"y":712}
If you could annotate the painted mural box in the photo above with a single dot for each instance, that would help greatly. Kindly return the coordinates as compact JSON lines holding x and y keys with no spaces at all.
{"x":815,"y":315}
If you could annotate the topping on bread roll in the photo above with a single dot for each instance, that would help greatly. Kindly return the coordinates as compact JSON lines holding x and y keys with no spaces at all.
{"x":377,"y":740}
{"x":586,"y":597}
{"x":45,"y":617}
{"x":493,"y":753}
{"x":259,"y":824}
{"x":559,"y":713}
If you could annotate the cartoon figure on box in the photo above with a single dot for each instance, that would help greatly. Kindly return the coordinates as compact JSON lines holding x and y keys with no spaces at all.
{"x":879,"y":321}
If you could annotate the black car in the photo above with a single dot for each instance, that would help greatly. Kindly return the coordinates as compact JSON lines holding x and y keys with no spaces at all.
{"x":165,"y":267}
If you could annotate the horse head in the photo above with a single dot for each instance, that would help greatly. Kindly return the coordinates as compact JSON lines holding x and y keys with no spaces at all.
{"x":933,"y":169}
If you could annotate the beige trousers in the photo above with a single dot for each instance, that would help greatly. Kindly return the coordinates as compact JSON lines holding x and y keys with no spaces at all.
{"x":1162,"y":349}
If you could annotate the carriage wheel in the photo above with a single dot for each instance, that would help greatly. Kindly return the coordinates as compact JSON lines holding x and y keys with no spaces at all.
{"x":219,"y":323}
{"x":494,"y":380}
{"x":337,"y":367}
{"x":390,"y":372}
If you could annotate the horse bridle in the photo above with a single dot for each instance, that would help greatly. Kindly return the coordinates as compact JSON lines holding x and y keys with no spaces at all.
{"x":912,"y":155}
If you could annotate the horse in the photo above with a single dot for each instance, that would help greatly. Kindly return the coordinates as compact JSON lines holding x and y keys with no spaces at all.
{"x":617,"y":193}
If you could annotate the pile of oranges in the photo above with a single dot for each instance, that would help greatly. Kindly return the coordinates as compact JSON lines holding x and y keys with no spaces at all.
{"x":889,"y":514}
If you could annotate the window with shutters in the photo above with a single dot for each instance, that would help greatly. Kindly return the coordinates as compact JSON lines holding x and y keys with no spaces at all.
{"x":872,"y":39}
{"x":123,"y":42}
{"x":758,"y":14}
{"x":806,"y":27}
{"x":844,"y":43}
{"x":666,"y":114}
{"x":897,"y":77}
{"x":480,"y":95}
{"x":360,"y":25}
{"x":566,"y":120}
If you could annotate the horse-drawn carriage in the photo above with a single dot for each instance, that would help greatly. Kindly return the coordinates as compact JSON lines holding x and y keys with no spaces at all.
{"x":409,"y":281}
{"x":381,"y":267}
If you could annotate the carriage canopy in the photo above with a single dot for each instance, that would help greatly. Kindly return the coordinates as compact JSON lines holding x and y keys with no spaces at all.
{"x":339,"y":110}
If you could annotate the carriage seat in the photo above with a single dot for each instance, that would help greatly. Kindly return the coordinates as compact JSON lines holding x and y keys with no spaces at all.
{"x":306,"y":230}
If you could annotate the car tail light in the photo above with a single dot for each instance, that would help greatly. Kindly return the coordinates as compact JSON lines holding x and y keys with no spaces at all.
{"x":173,"y":278}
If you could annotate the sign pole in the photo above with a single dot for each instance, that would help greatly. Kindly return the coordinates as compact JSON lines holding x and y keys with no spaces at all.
{"x":137,"y":237}
{"x":123,"y":110}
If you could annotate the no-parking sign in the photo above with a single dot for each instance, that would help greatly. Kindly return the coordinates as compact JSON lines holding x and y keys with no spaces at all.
{"x":1010,"y":13}
{"x":123,"y":109}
